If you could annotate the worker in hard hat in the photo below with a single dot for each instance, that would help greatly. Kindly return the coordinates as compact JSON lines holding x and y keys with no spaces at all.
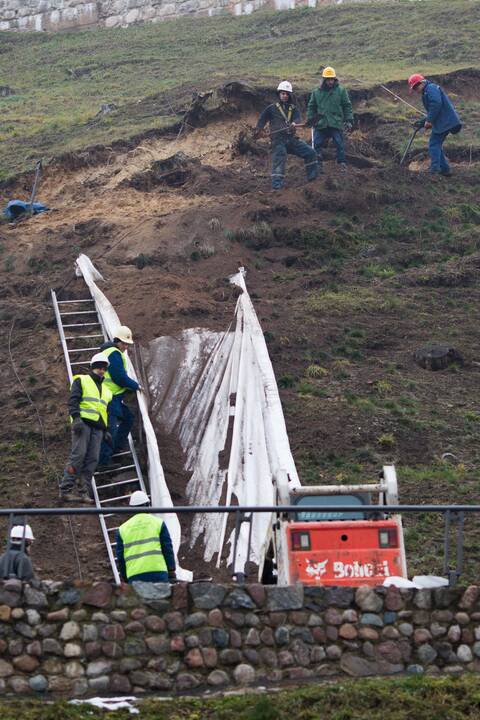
{"x":441,"y":118}
{"x":120,"y":417}
{"x":88,"y":408}
{"x":283,"y":117}
{"x":15,"y":561}
{"x":143,"y":546}
{"x":330,"y":112}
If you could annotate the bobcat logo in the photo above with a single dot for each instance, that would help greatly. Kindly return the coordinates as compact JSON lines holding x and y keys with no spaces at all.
{"x":316,"y":570}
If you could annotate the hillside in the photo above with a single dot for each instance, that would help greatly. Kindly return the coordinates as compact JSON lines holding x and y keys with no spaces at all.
{"x":349,"y":276}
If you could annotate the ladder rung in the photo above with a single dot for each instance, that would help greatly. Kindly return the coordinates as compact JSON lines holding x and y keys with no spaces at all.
{"x":82,"y":337}
{"x":113,"y":528}
{"x":107,"y":515}
{"x":63,"y":302}
{"x":79,"y":312}
{"x":83,"y":349}
{"x":114,"y":499}
{"x":81,"y":324}
{"x":124,"y":452}
{"x":123,"y":467}
{"x":112,"y":544}
{"x":114,"y":484}
{"x":83,"y":362}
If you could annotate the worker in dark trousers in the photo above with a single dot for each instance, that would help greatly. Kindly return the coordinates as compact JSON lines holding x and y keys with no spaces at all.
{"x":330,"y":112}
{"x":15,"y":562}
{"x":283,"y":118}
{"x":143,"y":546}
{"x":88,"y":408}
{"x":120,"y":417}
{"x":442,"y":119}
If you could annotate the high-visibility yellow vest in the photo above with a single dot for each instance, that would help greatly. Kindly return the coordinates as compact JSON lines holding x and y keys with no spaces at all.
{"x":112,"y":386}
{"x":94,"y":402}
{"x":142,"y":550}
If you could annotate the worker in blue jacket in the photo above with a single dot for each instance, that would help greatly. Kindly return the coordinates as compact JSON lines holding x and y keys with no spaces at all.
{"x":117,"y":380}
{"x":442,"y":119}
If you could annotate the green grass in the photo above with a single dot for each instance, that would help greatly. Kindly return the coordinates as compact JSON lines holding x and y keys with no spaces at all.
{"x":61,"y":79}
{"x":401,"y":699}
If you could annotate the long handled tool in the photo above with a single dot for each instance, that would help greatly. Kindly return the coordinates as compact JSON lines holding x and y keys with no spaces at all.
{"x":409,"y":145}
{"x":38,"y":170}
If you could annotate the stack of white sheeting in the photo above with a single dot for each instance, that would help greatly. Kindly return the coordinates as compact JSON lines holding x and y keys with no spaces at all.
{"x":218,"y":394}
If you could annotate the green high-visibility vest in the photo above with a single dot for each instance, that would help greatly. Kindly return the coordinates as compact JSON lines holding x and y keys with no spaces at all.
{"x":112,"y":386}
{"x":142,"y":550}
{"x":94,"y":402}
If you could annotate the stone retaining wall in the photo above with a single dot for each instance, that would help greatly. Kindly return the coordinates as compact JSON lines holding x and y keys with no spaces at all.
{"x":82,"y":640}
{"x":71,"y":14}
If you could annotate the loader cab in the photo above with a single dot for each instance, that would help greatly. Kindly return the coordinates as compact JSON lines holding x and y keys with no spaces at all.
{"x":331,"y":547}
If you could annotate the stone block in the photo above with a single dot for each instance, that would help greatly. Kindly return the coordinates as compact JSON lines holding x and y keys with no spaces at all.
{"x":58,"y":615}
{"x":426,"y":654}
{"x":358,"y":666}
{"x":174,"y":621}
{"x":98,"y":595}
{"x":464,"y":654}
{"x":195,"y":620}
{"x":282,"y":635}
{"x":423,"y":599}
{"x":206,"y":596}
{"x":348,"y":631}
{"x":6,"y":669}
{"x":217,"y":678}
{"x":25,"y":663}
{"x":99,"y":684}
{"x":155,"y":595}
{"x":469,"y":598}
{"x":38,"y":683}
{"x":284,"y":598}
{"x":120,"y":684}
{"x":239,"y":600}
{"x":187,"y":681}
{"x":371,"y":619}
{"x":5,"y":612}
{"x":368,"y":600}
{"x":220,"y":637}
{"x":112,"y":649}
{"x":70,"y":630}
{"x":72,"y":650}
{"x":257,"y":593}
{"x":154,"y":623}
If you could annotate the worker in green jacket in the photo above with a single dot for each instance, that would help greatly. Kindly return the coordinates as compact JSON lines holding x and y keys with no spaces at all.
{"x":329,"y":112}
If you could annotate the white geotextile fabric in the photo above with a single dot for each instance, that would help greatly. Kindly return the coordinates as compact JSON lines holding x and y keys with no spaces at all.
{"x":160,"y":495}
{"x":217,"y":392}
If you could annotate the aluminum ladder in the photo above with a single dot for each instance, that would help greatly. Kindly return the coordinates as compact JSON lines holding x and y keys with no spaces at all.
{"x":85,"y":334}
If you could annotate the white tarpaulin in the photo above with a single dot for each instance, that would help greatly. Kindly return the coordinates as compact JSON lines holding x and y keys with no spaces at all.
{"x":218,"y":394}
{"x":160,"y":495}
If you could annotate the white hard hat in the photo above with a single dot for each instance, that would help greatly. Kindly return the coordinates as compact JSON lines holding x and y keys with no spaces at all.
{"x":100,"y":358}
{"x":139,"y":498}
{"x":18,"y":532}
{"x":124,"y":334}
{"x":285,"y":86}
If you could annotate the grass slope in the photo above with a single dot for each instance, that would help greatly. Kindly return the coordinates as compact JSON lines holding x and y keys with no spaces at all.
{"x":60,"y":80}
{"x":403,"y":699}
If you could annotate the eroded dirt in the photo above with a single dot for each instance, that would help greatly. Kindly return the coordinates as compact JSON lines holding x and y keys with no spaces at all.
{"x":167,"y":222}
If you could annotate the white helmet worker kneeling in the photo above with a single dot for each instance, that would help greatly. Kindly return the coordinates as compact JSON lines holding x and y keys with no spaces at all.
{"x":144,"y":547}
{"x":15,"y":562}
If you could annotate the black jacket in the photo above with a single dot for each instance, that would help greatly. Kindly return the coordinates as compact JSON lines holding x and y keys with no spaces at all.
{"x":277,"y":114}
{"x":76,"y":396}
{"x":15,"y":563}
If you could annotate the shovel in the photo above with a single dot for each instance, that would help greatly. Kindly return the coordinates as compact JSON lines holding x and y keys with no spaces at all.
{"x":38,"y":169}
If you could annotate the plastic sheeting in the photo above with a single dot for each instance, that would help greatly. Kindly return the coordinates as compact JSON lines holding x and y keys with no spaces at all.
{"x":217,"y":392}
{"x":159,"y":492}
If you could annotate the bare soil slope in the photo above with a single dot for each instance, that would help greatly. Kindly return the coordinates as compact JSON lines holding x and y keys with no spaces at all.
{"x":350,"y":275}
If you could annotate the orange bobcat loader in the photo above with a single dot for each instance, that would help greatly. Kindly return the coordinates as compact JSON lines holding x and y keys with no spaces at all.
{"x":327,"y":547}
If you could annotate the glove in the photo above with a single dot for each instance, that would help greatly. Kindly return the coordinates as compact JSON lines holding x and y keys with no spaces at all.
{"x":172,"y":576}
{"x":108,"y":439}
{"x":77,"y":426}
{"x":427,"y":125}
{"x":348,"y":126}
{"x":419,"y":123}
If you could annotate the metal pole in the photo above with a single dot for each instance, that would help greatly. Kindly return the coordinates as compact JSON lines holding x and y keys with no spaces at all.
{"x":409,"y":145}
{"x":38,"y":168}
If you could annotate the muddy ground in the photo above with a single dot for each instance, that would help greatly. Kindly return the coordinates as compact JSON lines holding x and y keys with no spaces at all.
{"x":350,"y":275}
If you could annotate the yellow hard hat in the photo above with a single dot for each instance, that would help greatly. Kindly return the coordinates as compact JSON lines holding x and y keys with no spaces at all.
{"x":329,"y":72}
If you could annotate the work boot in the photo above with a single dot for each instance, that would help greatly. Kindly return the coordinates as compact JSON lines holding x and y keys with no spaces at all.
{"x":446,"y":173}
{"x":109,"y":467}
{"x":75,"y":497}
{"x":343,"y":167}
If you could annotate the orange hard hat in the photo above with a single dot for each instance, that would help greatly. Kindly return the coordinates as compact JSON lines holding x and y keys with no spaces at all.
{"x":414,"y":80}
